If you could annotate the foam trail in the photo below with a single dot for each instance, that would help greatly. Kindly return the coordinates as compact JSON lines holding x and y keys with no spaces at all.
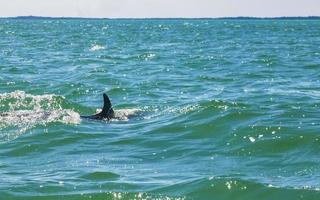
{"x":24,"y":111}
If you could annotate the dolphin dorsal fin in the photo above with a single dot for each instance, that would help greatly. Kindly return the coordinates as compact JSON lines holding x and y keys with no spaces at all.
{"x":106,"y":113}
{"x":106,"y":103}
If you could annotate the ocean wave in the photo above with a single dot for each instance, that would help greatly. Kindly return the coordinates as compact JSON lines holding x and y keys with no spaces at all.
{"x":231,"y":188}
{"x":99,"y":195}
{"x":22,"y":111}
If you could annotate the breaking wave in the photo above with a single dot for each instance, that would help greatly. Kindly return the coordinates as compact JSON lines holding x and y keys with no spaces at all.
{"x":20,"y":112}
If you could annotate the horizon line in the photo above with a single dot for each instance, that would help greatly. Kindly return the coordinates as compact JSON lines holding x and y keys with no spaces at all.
{"x":104,"y":18}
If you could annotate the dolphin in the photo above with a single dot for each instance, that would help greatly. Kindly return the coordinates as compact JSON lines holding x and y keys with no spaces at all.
{"x":107,"y":112}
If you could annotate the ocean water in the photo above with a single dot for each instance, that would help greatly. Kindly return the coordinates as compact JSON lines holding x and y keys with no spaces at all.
{"x":209,"y":109}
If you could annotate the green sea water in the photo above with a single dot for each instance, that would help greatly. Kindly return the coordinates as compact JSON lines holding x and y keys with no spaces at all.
{"x":211,"y":109}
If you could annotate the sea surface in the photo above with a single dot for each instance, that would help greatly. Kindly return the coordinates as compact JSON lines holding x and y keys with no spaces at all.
{"x":210,"y":109}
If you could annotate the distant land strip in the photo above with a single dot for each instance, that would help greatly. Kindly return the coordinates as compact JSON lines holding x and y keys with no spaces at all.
{"x":182,"y":18}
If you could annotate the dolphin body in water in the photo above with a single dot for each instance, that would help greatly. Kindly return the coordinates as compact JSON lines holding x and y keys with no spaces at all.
{"x":107,"y":112}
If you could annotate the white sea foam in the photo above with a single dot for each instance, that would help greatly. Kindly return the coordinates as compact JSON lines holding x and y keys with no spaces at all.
{"x":182,"y":110}
{"x":155,"y":112}
{"x":125,"y":114}
{"x":29,"y":117}
{"x":97,"y":47}
{"x":24,"y":111}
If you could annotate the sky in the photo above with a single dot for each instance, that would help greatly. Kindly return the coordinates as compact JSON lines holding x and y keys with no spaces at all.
{"x":159,"y":8}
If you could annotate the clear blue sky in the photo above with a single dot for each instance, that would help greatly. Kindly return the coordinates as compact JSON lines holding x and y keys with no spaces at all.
{"x":159,"y":8}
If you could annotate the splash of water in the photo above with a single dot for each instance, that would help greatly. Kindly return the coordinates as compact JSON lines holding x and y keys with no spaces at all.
{"x":23,"y":111}
{"x":96,"y":48}
{"x":125,"y":114}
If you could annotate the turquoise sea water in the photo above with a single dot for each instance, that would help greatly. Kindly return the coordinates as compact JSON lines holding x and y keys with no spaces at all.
{"x":219,"y":109}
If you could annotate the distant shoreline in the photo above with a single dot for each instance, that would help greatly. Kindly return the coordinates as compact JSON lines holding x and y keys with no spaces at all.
{"x":182,"y":18}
